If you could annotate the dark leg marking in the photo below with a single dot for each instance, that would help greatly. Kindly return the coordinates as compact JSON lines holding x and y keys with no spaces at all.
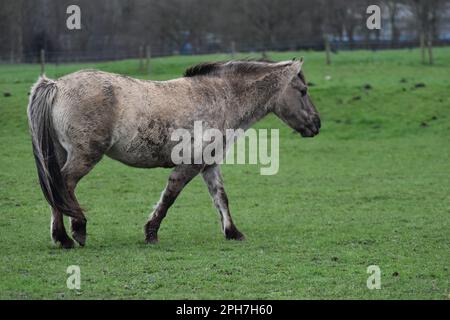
{"x":58,"y":231}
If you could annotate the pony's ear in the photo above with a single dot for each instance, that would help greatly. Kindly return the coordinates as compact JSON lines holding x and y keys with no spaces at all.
{"x":283,"y":72}
{"x":290,"y":69}
{"x":298,"y":62}
{"x":278,"y":78}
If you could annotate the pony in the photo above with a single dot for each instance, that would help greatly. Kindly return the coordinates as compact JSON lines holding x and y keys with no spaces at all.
{"x":76,"y":120}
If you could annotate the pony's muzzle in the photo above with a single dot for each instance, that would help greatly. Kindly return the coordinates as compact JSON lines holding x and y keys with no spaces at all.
{"x":312,"y":127}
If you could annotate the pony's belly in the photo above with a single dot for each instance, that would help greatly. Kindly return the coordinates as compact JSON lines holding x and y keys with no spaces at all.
{"x":140,"y":158}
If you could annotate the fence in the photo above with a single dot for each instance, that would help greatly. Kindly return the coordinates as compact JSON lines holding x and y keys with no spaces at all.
{"x":145,"y":52}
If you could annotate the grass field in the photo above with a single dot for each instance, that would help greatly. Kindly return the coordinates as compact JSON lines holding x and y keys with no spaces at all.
{"x":372,"y":189}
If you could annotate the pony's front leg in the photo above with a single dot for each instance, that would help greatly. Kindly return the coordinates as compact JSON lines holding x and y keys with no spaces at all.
{"x":213,"y":179}
{"x":178,"y":179}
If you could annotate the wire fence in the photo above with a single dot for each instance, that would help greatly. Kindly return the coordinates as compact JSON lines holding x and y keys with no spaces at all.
{"x":145,"y":52}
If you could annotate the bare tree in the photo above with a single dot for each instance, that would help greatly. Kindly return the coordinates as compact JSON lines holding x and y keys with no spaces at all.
{"x":426,"y":13}
{"x":118,"y":28}
{"x":11,"y":20}
{"x":393,"y":9}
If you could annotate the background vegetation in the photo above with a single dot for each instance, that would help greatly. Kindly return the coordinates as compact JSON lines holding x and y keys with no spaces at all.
{"x":117,"y":29}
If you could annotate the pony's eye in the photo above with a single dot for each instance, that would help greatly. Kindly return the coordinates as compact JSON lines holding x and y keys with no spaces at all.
{"x":304,"y":91}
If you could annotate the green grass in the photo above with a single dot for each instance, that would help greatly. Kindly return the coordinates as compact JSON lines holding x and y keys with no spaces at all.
{"x":372,"y":188}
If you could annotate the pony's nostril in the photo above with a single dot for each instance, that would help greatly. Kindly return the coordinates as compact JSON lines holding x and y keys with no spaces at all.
{"x":312,"y":126}
{"x":317,"y":122}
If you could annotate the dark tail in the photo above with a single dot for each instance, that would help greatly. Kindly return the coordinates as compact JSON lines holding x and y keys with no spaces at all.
{"x":44,"y":139}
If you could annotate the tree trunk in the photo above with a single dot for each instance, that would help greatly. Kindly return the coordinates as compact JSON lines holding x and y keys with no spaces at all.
{"x":392,"y":5}
{"x":327,"y":49}
{"x":350,"y":38}
{"x":19,"y":35}
{"x":422,"y":47}
{"x":430,"y":48}
{"x":394,"y":33}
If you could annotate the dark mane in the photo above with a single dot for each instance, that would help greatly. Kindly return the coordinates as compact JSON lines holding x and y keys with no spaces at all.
{"x":236,"y":66}
{"x":202,"y":69}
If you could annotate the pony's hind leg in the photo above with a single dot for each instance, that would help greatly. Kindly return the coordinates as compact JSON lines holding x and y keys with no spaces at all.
{"x":58,"y":231}
{"x":77,"y":166}
{"x":78,"y":224}
{"x":213,"y":179}
{"x":178,"y":179}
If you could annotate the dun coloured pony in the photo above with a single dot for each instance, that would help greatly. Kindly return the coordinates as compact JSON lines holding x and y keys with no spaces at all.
{"x":83,"y":116}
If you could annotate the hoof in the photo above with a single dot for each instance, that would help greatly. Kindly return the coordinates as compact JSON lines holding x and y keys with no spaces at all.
{"x":151,"y":236}
{"x":63,"y":240}
{"x":79,"y":231}
{"x":67,"y":244}
{"x":80,"y":238}
{"x":151,"y":240}
{"x":234,"y":234}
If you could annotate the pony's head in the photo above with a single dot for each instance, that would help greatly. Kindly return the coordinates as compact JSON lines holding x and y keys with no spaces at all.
{"x":278,"y":86}
{"x":295,"y":107}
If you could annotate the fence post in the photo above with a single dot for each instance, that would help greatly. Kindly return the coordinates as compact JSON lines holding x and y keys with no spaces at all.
{"x":42,"y":62}
{"x":141,"y":59}
{"x":233,"y":49}
{"x":148,"y":55}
